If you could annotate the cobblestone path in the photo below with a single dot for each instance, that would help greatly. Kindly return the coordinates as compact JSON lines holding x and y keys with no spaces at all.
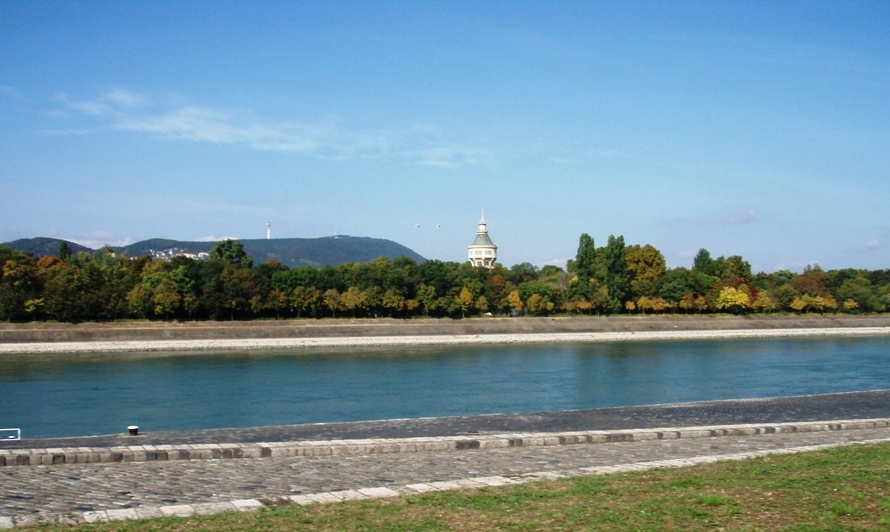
{"x":35,"y":493}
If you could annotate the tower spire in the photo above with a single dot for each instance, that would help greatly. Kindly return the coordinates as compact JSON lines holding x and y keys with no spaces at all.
{"x":482,"y":251}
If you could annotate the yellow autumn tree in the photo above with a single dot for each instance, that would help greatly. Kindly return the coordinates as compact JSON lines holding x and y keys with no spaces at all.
{"x":515,"y":300}
{"x":763,"y":303}
{"x":464,"y":300}
{"x":733,"y":300}
{"x":482,"y":304}
{"x":536,"y":304}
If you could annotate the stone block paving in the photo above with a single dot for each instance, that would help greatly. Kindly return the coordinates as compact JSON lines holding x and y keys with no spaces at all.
{"x":130,"y":490}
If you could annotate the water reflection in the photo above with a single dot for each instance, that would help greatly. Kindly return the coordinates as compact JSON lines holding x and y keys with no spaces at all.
{"x":64,"y":395}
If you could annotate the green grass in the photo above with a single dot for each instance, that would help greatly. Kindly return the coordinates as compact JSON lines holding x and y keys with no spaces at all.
{"x":844,"y":489}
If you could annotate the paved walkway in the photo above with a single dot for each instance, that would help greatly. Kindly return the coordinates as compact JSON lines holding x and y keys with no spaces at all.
{"x":103,"y":491}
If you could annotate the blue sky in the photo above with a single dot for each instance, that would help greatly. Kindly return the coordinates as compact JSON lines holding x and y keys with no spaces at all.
{"x":748,"y":128}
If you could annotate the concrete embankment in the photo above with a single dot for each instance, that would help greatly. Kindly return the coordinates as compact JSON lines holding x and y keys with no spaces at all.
{"x":152,"y":336}
{"x":357,"y":328}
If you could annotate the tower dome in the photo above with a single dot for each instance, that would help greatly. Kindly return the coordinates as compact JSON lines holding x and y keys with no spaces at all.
{"x":483,"y":252}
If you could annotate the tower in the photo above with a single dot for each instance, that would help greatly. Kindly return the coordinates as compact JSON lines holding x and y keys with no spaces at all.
{"x":483,"y":252}
{"x":268,"y":230}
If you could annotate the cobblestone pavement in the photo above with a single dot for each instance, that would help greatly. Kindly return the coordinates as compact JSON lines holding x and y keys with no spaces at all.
{"x":31,"y":494}
{"x":853,"y":405}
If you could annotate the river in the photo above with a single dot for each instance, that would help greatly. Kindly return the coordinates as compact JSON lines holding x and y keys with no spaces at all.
{"x":90,"y":394}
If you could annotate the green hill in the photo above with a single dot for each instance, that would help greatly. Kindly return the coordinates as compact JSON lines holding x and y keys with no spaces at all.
{"x":42,"y":246}
{"x":293,"y":252}
{"x":331,"y":250}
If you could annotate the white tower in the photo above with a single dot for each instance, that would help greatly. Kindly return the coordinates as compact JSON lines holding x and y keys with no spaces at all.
{"x":268,"y":230}
{"x":483,"y":252}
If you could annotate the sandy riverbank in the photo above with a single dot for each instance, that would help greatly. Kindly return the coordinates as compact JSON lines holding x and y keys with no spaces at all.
{"x":123,"y":337}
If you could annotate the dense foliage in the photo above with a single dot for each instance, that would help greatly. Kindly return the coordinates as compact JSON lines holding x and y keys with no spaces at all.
{"x":612,"y":279}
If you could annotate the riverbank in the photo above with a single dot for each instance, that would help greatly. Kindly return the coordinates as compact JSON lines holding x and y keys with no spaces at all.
{"x":154,"y":336}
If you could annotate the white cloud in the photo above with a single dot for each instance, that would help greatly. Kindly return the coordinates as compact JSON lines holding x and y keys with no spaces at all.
{"x":206,"y":125}
{"x":98,"y":239}
{"x":215,"y":238}
{"x":871,"y":245}
{"x":11,"y":92}
{"x":739,"y":216}
{"x":126,"y":111}
{"x":64,"y":132}
{"x":556,"y":262}
{"x":443,"y":156}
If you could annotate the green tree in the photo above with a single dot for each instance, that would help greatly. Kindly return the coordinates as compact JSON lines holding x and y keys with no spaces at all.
{"x":68,"y":295}
{"x":784,"y":295}
{"x":239,"y":290}
{"x":304,"y":299}
{"x":277,"y":301}
{"x":332,"y":301}
{"x":738,"y":267}
{"x":675,"y":284}
{"x":20,"y":282}
{"x":522,"y":273}
{"x":426,"y":297}
{"x":231,"y":252}
{"x":166,"y":298}
{"x":64,"y":250}
{"x":393,"y":301}
{"x":645,"y":266}
{"x":703,"y":263}
{"x":585,"y":258}
{"x":353,"y":300}
{"x":482,"y":304}
{"x":862,"y":292}
{"x":617,"y":276}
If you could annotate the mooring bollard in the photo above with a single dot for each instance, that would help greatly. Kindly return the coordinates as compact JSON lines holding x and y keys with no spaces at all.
{"x":134,"y":430}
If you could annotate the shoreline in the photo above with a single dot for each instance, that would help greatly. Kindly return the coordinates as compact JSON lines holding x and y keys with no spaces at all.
{"x":181,"y":345}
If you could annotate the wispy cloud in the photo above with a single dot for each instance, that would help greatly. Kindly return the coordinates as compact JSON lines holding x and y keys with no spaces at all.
{"x":11,"y":92}
{"x":871,"y":245}
{"x":215,"y":238}
{"x":445,"y":156}
{"x":64,"y":132}
{"x":739,"y":216}
{"x":556,"y":262}
{"x":127,"y":111}
{"x":98,"y":239}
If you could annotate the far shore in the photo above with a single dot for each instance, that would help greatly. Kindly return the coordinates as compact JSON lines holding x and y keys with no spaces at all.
{"x":289,"y":334}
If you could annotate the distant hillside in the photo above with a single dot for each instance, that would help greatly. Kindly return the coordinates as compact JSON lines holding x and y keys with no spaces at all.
{"x":293,"y":252}
{"x":42,"y":246}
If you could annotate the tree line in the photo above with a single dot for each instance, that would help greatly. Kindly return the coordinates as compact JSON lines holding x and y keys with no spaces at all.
{"x":612,"y":279}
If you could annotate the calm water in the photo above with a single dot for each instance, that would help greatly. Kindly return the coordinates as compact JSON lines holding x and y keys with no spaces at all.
{"x":70,"y":395}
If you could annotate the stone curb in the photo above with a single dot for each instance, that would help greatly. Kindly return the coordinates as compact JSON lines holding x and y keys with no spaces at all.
{"x":247,"y":505}
{"x":144,"y":453}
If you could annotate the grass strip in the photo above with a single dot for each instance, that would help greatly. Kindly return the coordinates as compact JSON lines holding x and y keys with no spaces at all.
{"x":846,"y":488}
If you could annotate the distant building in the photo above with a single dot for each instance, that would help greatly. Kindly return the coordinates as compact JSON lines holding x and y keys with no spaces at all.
{"x":483,"y":252}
